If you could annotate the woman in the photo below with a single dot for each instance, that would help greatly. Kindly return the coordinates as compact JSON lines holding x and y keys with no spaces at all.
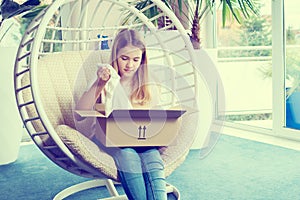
{"x":140,"y":169}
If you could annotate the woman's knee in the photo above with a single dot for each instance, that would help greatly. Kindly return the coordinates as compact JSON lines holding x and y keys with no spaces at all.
{"x":152,"y":160}
{"x":127,"y":159}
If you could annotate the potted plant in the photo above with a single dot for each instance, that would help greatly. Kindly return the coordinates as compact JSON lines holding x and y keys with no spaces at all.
{"x":293,"y":92}
{"x":292,"y":88}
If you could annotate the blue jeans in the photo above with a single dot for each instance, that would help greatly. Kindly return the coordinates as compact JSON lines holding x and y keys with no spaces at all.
{"x":141,"y":172}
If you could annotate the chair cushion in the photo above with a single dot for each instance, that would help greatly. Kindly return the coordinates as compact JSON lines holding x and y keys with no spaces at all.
{"x":59,"y":74}
{"x":87,"y":151}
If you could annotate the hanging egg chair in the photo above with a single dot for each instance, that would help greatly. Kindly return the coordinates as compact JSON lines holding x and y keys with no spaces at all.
{"x":70,"y":34}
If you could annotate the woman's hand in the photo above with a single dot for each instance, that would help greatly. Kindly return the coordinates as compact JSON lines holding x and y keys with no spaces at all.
{"x":92,"y":95}
{"x":103,"y":74}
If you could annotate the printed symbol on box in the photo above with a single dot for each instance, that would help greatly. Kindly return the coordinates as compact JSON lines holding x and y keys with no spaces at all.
{"x":142,"y":133}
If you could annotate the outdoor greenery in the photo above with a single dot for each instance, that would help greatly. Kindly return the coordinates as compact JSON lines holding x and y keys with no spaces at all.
{"x":246,"y":117}
{"x":255,"y":31}
{"x":292,"y":60}
{"x":290,"y":36}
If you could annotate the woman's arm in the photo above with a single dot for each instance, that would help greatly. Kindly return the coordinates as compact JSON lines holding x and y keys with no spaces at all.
{"x":91,"y":96}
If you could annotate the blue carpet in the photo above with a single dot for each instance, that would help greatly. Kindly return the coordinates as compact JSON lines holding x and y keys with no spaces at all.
{"x":236,"y":169}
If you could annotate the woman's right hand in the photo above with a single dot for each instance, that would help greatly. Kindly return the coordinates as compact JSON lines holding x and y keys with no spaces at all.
{"x":103,"y":74}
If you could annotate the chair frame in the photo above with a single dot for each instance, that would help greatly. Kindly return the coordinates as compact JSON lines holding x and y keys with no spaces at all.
{"x":26,"y":65}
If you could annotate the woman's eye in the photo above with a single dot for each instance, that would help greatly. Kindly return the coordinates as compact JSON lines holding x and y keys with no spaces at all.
{"x":124,"y":58}
{"x":136,"y":60}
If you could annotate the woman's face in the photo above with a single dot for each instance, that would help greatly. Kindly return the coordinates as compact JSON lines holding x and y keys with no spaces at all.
{"x":129,"y":60}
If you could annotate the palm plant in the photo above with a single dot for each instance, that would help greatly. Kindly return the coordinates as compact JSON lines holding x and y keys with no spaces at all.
{"x":293,"y":71}
{"x":198,"y":9}
{"x":239,"y":9}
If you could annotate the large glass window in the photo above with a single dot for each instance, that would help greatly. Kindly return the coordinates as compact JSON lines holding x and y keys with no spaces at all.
{"x":245,"y":67}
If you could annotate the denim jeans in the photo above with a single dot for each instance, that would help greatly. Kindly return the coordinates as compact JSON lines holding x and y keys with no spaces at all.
{"x":141,"y":172}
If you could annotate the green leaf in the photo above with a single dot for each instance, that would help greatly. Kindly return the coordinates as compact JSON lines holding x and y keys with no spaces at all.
{"x":34,"y":12}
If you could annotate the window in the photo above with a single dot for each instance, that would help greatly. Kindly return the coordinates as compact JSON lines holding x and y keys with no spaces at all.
{"x":245,"y":66}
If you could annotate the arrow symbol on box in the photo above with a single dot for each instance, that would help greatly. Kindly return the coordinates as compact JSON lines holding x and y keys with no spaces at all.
{"x":142,"y":137}
{"x":140,"y":132}
{"x":144,"y":133}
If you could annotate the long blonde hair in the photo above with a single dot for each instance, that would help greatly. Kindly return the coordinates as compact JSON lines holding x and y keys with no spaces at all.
{"x":129,"y":37}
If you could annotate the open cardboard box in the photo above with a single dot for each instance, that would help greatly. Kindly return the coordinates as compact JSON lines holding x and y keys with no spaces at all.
{"x":136,"y":127}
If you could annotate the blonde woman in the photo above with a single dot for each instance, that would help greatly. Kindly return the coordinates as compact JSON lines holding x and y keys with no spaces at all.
{"x":140,"y":169}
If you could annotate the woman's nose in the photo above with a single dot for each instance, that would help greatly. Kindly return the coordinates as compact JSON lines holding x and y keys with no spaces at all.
{"x":130,"y":63}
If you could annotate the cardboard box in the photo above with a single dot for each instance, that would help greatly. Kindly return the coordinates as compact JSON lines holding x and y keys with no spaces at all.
{"x":137,"y":127}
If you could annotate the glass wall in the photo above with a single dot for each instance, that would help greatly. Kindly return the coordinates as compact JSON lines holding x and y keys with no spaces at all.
{"x":245,"y":66}
{"x":261,"y":72}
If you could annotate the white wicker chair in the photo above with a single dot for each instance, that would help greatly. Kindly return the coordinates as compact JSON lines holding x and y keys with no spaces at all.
{"x":58,"y":43}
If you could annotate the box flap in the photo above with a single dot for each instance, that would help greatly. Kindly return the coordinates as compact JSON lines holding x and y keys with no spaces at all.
{"x":148,"y":114}
{"x":89,"y":113}
{"x":100,"y":107}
